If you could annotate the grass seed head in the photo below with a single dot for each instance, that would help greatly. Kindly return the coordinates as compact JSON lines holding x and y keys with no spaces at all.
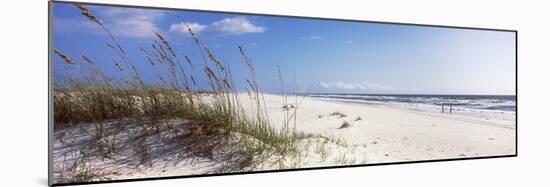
{"x":84,"y":11}
{"x":87,"y":59}
{"x":63,"y":56}
{"x":118,"y":65}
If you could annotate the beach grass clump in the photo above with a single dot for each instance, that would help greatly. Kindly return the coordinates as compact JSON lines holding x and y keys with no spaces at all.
{"x":338,"y":114}
{"x":345,"y":159}
{"x":79,"y":170}
{"x":218,"y":127}
{"x":344,"y":125}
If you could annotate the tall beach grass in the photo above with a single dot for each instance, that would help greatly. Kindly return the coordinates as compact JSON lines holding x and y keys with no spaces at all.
{"x":216,"y":121}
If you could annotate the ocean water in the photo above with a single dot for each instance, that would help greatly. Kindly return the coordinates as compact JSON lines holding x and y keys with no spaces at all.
{"x":479,"y":103}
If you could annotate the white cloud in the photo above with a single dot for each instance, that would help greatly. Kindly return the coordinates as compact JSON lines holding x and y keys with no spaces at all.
{"x":129,"y":22}
{"x":354,"y":86}
{"x":312,"y":37}
{"x":231,"y":26}
{"x":142,"y":23}
{"x":181,"y":28}
{"x":122,"y":22}
{"x":236,"y":25}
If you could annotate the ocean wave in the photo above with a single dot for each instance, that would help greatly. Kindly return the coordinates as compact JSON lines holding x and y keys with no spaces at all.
{"x":459,"y":102}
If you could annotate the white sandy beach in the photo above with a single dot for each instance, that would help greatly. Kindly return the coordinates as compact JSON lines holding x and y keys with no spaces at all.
{"x":389,"y":134}
{"x":383,"y":134}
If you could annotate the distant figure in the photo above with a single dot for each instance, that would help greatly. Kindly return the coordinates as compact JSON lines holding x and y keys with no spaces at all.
{"x":284,"y":107}
{"x":451,"y":109}
{"x":442,"y":108}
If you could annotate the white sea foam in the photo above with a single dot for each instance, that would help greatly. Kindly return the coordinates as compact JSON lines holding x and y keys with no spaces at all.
{"x":501,"y":107}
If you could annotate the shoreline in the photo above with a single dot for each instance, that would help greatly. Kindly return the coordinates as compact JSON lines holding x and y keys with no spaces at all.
{"x":507,"y":117}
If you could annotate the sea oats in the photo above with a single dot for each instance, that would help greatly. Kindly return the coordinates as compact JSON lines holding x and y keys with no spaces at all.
{"x":247,"y":59}
{"x":63,"y":56}
{"x":84,"y":11}
{"x":195,"y":39}
{"x":159,"y":47}
{"x":154,"y":101}
{"x":210,"y":73}
{"x":280,"y":74}
{"x":194,"y":81}
{"x":226,"y":82}
{"x":158,"y":54}
{"x":188,"y":60}
{"x":162,"y":80}
{"x":150,"y":61}
{"x":213,"y":59}
{"x":118,"y":65}
{"x":87,"y":59}
{"x":248,"y":92}
{"x":166,"y":44}
{"x":251,"y":85}
{"x":111,"y":46}
{"x":147,"y":55}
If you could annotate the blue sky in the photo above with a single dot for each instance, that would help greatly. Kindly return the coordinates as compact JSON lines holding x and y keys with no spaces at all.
{"x":334,"y":56}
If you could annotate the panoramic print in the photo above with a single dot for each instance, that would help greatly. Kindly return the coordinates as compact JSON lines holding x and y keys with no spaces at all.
{"x":145,"y":93}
